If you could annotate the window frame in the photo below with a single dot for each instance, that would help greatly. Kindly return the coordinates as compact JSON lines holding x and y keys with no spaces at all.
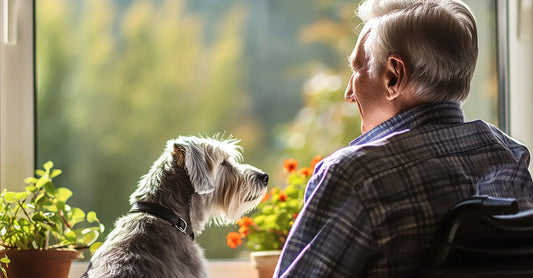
{"x":17,"y":89}
{"x":520,"y":46}
{"x":503,"y":65}
{"x":17,"y":97}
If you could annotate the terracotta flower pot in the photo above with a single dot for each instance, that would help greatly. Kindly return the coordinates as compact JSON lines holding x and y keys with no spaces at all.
{"x":39,"y":264}
{"x":265,"y":262}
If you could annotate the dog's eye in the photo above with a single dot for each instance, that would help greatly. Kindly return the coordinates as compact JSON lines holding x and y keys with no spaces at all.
{"x":224,"y":163}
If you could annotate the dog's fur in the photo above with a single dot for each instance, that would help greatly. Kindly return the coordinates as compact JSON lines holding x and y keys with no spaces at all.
{"x":142,"y":245}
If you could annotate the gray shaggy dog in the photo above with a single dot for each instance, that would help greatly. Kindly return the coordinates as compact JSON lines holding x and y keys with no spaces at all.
{"x":194,"y":180}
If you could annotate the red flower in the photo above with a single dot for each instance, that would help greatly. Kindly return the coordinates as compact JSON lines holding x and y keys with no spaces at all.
{"x":245,"y":221}
{"x":315,"y":160}
{"x":290,"y":165}
{"x":282,"y":196}
{"x":243,"y":231}
{"x":233,"y":239}
{"x":305,"y":171}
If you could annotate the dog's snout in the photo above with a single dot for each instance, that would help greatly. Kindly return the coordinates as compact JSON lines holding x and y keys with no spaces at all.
{"x":264,"y":178}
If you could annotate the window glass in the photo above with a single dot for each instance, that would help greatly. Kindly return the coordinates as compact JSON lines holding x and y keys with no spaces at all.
{"x":482,"y":102}
{"x":117,"y":79}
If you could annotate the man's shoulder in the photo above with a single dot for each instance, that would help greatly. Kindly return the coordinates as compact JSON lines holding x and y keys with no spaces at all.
{"x":425,"y":142}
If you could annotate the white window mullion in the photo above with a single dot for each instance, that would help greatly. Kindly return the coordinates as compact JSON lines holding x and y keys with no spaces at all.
{"x":521,"y":71}
{"x":16,"y":93}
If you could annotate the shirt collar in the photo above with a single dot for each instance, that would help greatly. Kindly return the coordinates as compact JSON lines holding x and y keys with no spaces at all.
{"x":433,"y":113}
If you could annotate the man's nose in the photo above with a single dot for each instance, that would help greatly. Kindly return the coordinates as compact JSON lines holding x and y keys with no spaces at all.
{"x":348,"y":93}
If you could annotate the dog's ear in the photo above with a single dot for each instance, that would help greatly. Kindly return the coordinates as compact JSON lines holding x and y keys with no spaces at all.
{"x":197,"y":168}
{"x":179,"y":155}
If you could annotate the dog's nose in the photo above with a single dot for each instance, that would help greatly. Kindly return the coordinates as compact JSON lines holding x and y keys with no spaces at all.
{"x":264,"y":178}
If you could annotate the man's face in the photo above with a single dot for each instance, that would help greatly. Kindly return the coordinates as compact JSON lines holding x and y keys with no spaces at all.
{"x":362,"y":89}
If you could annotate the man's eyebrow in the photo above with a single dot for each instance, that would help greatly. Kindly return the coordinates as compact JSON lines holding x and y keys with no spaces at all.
{"x":351,"y":61}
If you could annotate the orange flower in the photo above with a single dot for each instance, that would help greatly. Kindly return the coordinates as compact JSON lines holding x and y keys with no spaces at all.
{"x":282,"y":196}
{"x":245,"y":221}
{"x":290,"y":165}
{"x":305,"y":171}
{"x":233,"y":239}
{"x":267,"y":196}
{"x":315,"y":160}
{"x":243,"y":231}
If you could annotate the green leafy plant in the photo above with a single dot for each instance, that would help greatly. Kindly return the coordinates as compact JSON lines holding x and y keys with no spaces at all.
{"x":40,"y":218}
{"x":5,"y":261}
{"x":269,"y":226}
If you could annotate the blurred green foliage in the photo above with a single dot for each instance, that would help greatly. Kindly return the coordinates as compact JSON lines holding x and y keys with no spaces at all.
{"x":116,"y":79}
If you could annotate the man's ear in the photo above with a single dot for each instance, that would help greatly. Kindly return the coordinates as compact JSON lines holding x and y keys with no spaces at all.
{"x":395,"y":76}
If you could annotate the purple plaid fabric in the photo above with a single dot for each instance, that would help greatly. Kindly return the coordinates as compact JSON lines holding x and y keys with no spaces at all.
{"x":372,"y":207}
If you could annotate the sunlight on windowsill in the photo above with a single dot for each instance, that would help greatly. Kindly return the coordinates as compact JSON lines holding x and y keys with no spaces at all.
{"x":217,"y":269}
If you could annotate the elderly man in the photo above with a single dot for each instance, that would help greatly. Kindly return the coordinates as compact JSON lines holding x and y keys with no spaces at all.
{"x":371,"y":208}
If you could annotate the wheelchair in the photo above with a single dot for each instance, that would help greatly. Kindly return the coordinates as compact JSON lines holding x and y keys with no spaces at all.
{"x":482,"y":236}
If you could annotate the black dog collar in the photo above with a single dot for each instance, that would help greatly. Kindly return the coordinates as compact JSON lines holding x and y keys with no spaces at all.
{"x":164,"y":213}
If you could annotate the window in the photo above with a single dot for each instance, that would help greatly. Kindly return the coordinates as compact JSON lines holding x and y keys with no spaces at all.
{"x":116,"y":79}
{"x":482,"y":102}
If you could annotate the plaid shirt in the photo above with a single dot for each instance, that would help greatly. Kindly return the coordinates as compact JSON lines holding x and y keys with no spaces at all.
{"x":371,"y":208}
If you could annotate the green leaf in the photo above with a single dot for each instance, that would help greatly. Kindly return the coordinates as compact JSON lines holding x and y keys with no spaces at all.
{"x":31,"y":180}
{"x":45,"y":226}
{"x":41,"y":182}
{"x":5,"y":260}
{"x":31,"y":188}
{"x":50,"y":188}
{"x":38,"y":216}
{"x":63,"y":194}
{"x":95,"y":247}
{"x":76,"y":216}
{"x":48,"y":165}
{"x":91,"y":217}
{"x":260,"y":219}
{"x":267,"y":210}
{"x":40,"y":198}
{"x":21,"y":196}
{"x":40,"y":172}
{"x":55,"y":173}
{"x":49,"y":206}
{"x":90,"y":235}
{"x":60,"y":205}
{"x":70,"y":235}
{"x":10,"y":197}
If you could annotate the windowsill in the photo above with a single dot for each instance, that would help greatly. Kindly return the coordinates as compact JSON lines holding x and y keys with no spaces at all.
{"x":217,"y":269}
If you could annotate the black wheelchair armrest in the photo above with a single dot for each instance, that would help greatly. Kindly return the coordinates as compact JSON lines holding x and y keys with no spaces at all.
{"x":521,"y":221}
{"x":482,"y":236}
{"x":473,"y":207}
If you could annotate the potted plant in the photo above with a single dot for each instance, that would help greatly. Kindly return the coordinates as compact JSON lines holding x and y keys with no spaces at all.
{"x":267,"y":229}
{"x":37,"y":226}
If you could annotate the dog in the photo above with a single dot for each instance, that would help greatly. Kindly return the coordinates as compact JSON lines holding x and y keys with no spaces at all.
{"x":195,"y":179}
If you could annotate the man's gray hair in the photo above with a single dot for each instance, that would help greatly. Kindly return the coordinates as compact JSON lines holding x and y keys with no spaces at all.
{"x":437,"y":38}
